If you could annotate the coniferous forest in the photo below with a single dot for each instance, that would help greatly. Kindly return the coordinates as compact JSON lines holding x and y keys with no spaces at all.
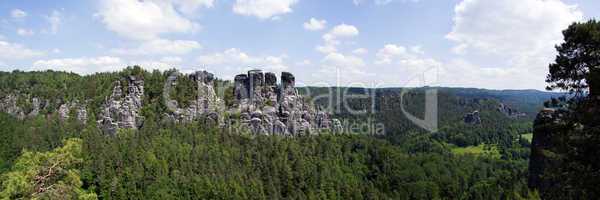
{"x":489,"y":144}
{"x":166,"y":160}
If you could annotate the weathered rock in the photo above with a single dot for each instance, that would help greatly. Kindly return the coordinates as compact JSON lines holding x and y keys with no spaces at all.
{"x":82,"y":114}
{"x":9,"y":105}
{"x":122,"y":111}
{"x":63,"y":112}
{"x":241,"y":90}
{"x":36,"y":106}
{"x":288,"y":81}
{"x":472,"y":118}
{"x":257,"y":126}
{"x":545,"y":128}
{"x":207,"y":103}
{"x":282,"y":110}
{"x":279,"y":128}
{"x":337,"y":126}
{"x":270,"y":79}
{"x":509,"y":112}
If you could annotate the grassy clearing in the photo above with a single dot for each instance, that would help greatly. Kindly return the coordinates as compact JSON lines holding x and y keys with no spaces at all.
{"x":528,"y":136}
{"x":479,"y":150}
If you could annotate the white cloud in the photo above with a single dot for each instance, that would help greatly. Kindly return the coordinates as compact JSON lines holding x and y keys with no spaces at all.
{"x":234,"y":60}
{"x":343,"y":30}
{"x":16,"y":51}
{"x":189,"y":7}
{"x":83,"y":65}
{"x":171,"y":59}
{"x":163,"y":64}
{"x":315,"y":24}
{"x":160,"y":47}
{"x":146,"y":20}
{"x":341,"y":60}
{"x":461,"y":73}
{"x":388,"y":52}
{"x":381,"y":2}
{"x":326,"y":49}
{"x":25,"y":32}
{"x":409,"y":62}
{"x":519,"y":34}
{"x":89,"y":65}
{"x":55,"y":20}
{"x":343,"y":69}
{"x":332,"y":38}
{"x":305,"y":62}
{"x":18,"y":14}
{"x":511,"y":26}
{"x":360,"y":51}
{"x":263,"y":9}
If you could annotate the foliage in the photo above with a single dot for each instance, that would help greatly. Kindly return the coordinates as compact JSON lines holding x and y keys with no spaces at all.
{"x":479,"y":150}
{"x":163,"y":160}
{"x":576,"y":65}
{"x":185,"y":91}
{"x":571,"y":167}
{"x":49,"y":175}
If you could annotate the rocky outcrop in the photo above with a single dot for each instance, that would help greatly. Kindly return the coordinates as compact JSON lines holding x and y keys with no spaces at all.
{"x":261,"y":105}
{"x":79,"y":110}
{"x":206,"y":106}
{"x":547,"y":125}
{"x":122,"y":110}
{"x":36,"y":106}
{"x":8,"y":104}
{"x":509,"y":112}
{"x":268,"y":108}
{"x":472,"y":118}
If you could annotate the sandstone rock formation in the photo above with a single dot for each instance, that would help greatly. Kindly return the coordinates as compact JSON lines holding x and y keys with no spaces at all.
{"x":206,"y":106}
{"x":509,"y":112}
{"x":9,"y":105}
{"x":472,"y":118}
{"x":268,"y":108}
{"x":261,"y":105}
{"x":80,"y":110}
{"x":122,"y":110}
{"x":546,"y":127}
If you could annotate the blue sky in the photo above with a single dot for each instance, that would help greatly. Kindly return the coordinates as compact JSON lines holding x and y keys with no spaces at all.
{"x":503,"y":44}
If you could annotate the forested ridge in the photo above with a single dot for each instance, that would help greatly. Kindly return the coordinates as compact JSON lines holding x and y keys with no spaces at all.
{"x":166,"y":160}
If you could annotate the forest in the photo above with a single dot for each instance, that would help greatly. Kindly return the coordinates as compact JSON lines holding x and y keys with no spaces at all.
{"x":488,"y":145}
{"x":166,"y":160}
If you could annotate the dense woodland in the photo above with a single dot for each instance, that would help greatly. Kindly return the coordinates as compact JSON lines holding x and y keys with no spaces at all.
{"x":163,"y":160}
{"x":565,"y":163}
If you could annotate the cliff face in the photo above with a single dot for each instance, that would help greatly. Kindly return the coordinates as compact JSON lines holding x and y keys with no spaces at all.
{"x":509,"y":112}
{"x":206,"y":106}
{"x":268,"y":108}
{"x":122,"y":110}
{"x":472,"y":118}
{"x":261,"y":105}
{"x":548,"y":147}
{"x":80,"y":111}
{"x":9,"y":104}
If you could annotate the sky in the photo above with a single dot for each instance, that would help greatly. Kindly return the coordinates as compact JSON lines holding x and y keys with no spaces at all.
{"x":499,"y":44}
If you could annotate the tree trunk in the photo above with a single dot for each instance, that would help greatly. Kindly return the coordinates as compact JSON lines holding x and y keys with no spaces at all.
{"x":594,"y":82}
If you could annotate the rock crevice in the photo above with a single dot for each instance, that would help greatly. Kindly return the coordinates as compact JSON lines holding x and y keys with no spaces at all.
{"x":123,"y":110}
